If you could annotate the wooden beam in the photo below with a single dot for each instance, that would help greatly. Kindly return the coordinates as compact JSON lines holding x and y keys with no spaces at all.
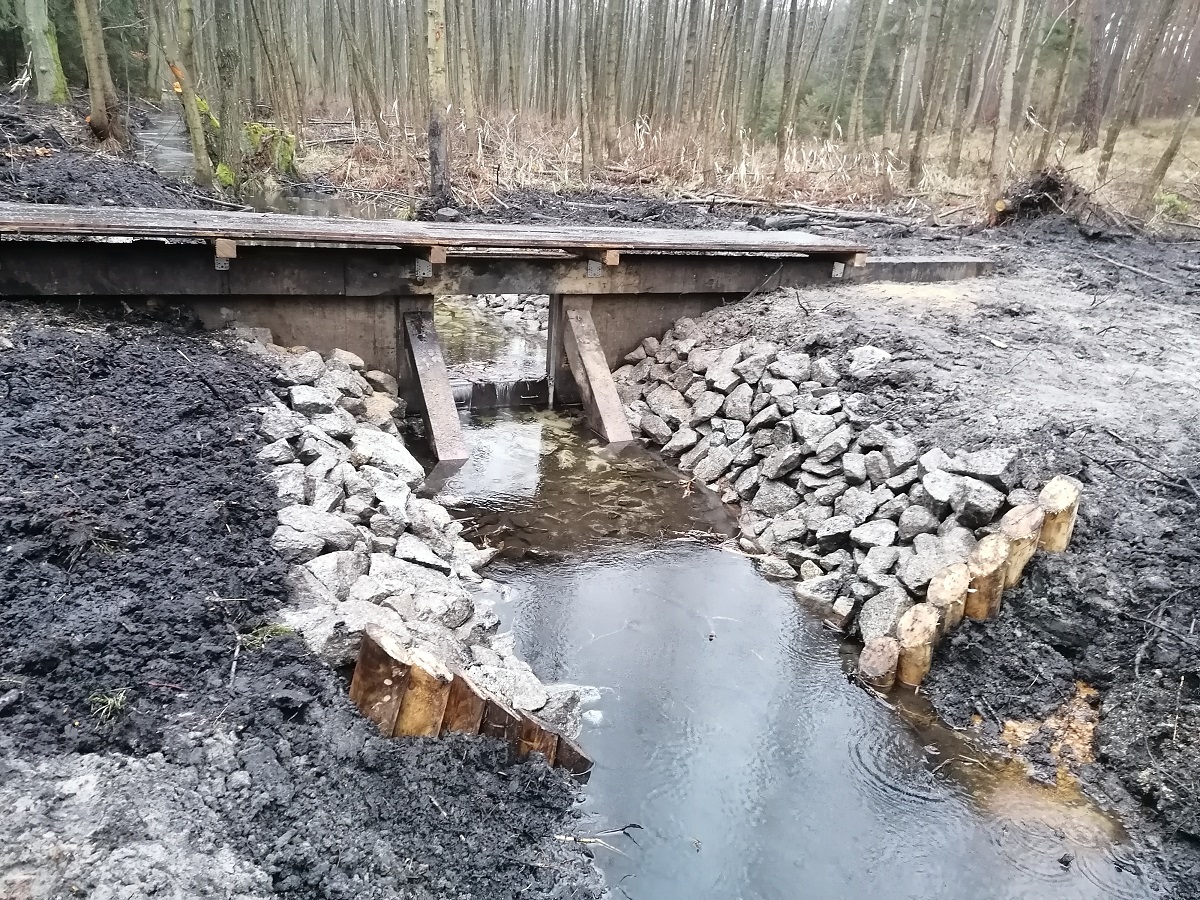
{"x":424,"y":703}
{"x":464,"y":707}
{"x":535,"y":737}
{"x":380,"y":678}
{"x":501,"y":722}
{"x":225,"y":248}
{"x":433,"y":381}
{"x":585,"y":355}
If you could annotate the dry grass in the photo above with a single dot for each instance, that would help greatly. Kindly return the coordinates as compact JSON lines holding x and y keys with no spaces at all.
{"x":524,"y":151}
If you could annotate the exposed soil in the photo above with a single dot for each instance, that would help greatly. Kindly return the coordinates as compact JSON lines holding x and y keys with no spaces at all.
{"x":159,"y":740}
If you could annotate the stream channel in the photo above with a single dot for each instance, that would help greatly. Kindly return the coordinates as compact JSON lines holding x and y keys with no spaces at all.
{"x":726,"y":727}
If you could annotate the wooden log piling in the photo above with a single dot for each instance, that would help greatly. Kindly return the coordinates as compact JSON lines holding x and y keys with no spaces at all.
{"x":916,"y":635}
{"x":988,"y":565}
{"x":1022,"y":525}
{"x":947,"y":593}
{"x":877,"y":663}
{"x":1059,"y":501}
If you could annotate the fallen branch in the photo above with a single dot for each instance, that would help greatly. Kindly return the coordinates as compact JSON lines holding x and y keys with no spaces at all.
{"x":1136,"y":270}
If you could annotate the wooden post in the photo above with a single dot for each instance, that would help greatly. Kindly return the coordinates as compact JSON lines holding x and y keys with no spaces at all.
{"x":988,"y":565}
{"x":1059,"y":500}
{"x":1023,"y":526}
{"x":570,"y":756}
{"x":877,"y":663}
{"x":947,"y":593}
{"x":501,"y":722}
{"x":536,"y":738}
{"x":585,"y":356}
{"x":464,"y":707}
{"x":916,"y":634}
{"x":429,"y":368}
{"x":380,"y":678}
{"x":424,"y":702}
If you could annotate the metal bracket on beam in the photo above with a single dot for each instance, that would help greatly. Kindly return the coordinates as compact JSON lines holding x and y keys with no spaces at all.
{"x":597,"y":260}
{"x":839,"y":269}
{"x":432,"y":256}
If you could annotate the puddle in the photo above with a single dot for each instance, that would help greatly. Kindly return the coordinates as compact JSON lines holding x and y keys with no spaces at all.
{"x":727,"y":727}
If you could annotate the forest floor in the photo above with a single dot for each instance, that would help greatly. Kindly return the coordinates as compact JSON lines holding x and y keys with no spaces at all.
{"x":1083,"y":350}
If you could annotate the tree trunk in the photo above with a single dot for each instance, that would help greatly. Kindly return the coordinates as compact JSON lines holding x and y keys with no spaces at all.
{"x":105,"y":120}
{"x":466,"y":63}
{"x":1060,"y":84}
{"x":997,"y":170}
{"x":848,"y":44}
{"x":41,"y":39}
{"x":1151,"y":42}
{"x":917,"y":84}
{"x":612,"y":40}
{"x":585,"y":142}
{"x":1035,"y":61}
{"x":1150,"y":191}
{"x":860,"y":89}
{"x":362,"y":75}
{"x":791,"y":49}
{"x":439,"y":100}
{"x":889,"y":102}
{"x":158,"y":75}
{"x":979,"y":82}
{"x":181,"y":57}
{"x":229,"y":94}
{"x":916,"y":159}
{"x":1090,"y":106}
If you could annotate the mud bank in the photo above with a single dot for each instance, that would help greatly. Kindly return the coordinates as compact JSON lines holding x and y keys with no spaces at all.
{"x":146,"y":752}
{"x":1086,"y":369}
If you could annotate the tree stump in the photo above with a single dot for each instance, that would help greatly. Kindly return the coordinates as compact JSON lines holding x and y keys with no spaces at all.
{"x":1022,"y":525}
{"x":1059,"y":501}
{"x":916,"y":634}
{"x":988,"y":565}
{"x":947,"y":593}
{"x":877,"y":663}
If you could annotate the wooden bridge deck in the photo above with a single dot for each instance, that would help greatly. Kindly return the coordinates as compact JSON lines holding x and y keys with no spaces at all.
{"x":29,"y":220}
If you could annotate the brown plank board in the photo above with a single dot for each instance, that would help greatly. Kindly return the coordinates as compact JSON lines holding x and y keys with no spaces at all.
{"x":39,"y":219}
{"x":464,"y":708}
{"x":380,"y":678}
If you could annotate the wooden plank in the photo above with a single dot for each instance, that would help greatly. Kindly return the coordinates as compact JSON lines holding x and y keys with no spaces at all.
{"x":424,"y":703}
{"x":570,"y":756}
{"x":380,"y":678}
{"x":464,"y":707}
{"x":441,"y":415}
{"x":225,"y":248}
{"x":535,"y":737}
{"x":501,"y":722}
{"x":585,"y":355}
{"x":26,"y":219}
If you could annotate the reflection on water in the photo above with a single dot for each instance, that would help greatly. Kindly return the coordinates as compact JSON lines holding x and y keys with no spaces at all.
{"x":728,"y":729}
{"x":478,"y":346}
{"x":536,"y":481}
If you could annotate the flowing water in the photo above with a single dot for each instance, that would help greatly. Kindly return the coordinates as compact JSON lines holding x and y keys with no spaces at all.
{"x":727,"y":728}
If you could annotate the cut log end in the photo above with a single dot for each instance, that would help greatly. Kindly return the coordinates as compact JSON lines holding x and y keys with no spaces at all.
{"x":877,"y":663}
{"x":947,"y":593}
{"x":916,"y":635}
{"x":1059,"y":501}
{"x":989,"y":566}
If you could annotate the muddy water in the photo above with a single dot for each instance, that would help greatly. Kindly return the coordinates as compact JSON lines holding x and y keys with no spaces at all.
{"x":726,"y":727}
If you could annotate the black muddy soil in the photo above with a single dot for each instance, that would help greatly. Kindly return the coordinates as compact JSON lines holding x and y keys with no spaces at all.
{"x":134,"y":560}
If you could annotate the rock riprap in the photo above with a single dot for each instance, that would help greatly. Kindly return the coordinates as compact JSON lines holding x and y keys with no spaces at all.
{"x":365,"y":549}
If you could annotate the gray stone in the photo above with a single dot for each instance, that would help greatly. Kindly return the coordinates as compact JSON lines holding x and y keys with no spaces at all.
{"x":315,"y":443}
{"x":387,"y":452}
{"x":651,"y":346}
{"x":856,"y":503}
{"x":277,"y":453}
{"x":996,"y":466}
{"x":714,"y":465}
{"x":734,"y":429}
{"x":917,"y":520}
{"x":296,"y":546}
{"x":415,"y":577}
{"x":337,"y":424}
{"x":387,"y":527}
{"x":334,"y":632}
{"x":683,"y":440}
{"x":834,"y":528}
{"x":916,"y":570}
{"x":774,"y":498}
{"x":289,"y":483}
{"x":821,"y":469}
{"x":1022,"y":497}
{"x":794,"y":367}
{"x":413,"y":549}
{"x":828,"y":493}
{"x":353,"y":360}
{"x":819,"y":588}
{"x":881,"y":614}
{"x":752,"y":368}
{"x":302,"y":368}
{"x":879,"y":561}
{"x":811,"y":428}
{"x":893,"y":508}
{"x":747,"y":482}
{"x":774,"y":567}
{"x":381,"y":409}
{"x":668,"y":404}
{"x":765,"y":418}
{"x":940,"y":486}
{"x":688,"y":460}
{"x":339,"y":570}
{"x":655,"y":428}
{"x":878,"y":468}
{"x":975,"y":502}
{"x":382,"y":381}
{"x":353,"y":405}
{"x":707,"y":405}
{"x":699,"y":360}
{"x":881,"y":533}
{"x":824,"y":372}
{"x":957,"y":543}
{"x":879,"y":435}
{"x":854,"y":467}
{"x":901,"y":453}
{"x":838,"y":559}
{"x":932,"y":461}
{"x":902,"y":481}
{"x":835,"y":443}
{"x":720,"y":373}
{"x":310,"y":401}
{"x":779,"y":388}
{"x":829,"y":404}
{"x":737,"y":404}
{"x":280,"y":424}
{"x":867,"y":360}
{"x":782,"y":461}
{"x":921,"y":497}
{"x":336,"y":533}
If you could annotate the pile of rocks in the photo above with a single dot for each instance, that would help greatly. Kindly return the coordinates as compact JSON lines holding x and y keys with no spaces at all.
{"x":831,"y":493}
{"x":365,"y":549}
{"x":527,"y":312}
